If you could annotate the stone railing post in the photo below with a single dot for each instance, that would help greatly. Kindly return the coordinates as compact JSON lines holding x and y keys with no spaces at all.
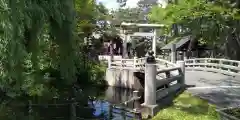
{"x":182,"y":65}
{"x":109,"y":61}
{"x":134,"y":62}
{"x":173,"y":53}
{"x":239,"y":67}
{"x":150,"y":80}
{"x":122,"y":64}
{"x":221,"y":63}
{"x":154,"y":42}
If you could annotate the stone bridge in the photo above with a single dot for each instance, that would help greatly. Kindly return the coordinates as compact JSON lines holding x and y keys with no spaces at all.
{"x":216,"y":80}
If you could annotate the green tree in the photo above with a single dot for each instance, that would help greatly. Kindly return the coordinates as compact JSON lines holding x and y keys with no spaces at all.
{"x":39,"y":37}
{"x":209,"y":22}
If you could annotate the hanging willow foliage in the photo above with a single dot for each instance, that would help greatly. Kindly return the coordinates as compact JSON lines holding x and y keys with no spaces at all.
{"x":23,"y":25}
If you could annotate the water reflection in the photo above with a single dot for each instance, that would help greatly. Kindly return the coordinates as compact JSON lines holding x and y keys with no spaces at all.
{"x":104,"y":110}
{"x":102,"y":104}
{"x":112,"y":105}
{"x":117,"y":95}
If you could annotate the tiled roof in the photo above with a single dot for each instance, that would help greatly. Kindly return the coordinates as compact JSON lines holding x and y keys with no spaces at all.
{"x":178,"y":43}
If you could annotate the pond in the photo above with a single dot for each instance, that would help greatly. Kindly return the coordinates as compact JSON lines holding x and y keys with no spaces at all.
{"x":94,"y":104}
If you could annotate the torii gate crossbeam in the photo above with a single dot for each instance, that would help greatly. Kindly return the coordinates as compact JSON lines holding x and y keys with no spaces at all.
{"x":138,"y":25}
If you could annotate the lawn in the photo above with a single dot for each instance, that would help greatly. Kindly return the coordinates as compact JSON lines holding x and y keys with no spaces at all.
{"x":188,"y":107}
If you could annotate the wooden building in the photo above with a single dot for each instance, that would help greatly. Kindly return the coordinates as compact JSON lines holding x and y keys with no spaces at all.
{"x":187,"y":47}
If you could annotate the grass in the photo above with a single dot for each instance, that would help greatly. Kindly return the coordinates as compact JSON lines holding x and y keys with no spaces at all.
{"x":188,"y":107}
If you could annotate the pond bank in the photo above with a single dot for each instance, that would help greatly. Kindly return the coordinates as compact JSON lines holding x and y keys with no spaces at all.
{"x":90,"y":103}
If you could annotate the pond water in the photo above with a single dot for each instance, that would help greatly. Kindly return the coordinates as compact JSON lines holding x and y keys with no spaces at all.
{"x":104,"y":104}
{"x":116,"y":96}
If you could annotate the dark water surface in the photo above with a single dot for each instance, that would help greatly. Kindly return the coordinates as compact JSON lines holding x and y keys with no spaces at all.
{"x":90,"y":104}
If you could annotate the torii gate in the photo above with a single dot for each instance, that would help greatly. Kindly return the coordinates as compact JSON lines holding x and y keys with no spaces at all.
{"x":124,"y":33}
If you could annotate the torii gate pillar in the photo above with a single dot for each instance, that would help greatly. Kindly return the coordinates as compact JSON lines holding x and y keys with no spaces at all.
{"x":138,"y":25}
{"x":125,"y":52}
{"x":154,"y":42}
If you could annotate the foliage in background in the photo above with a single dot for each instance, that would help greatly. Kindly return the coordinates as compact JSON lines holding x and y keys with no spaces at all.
{"x":138,"y":14}
{"x":214,"y":23}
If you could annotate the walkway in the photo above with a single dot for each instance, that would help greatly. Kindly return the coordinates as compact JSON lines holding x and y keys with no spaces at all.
{"x":217,"y":88}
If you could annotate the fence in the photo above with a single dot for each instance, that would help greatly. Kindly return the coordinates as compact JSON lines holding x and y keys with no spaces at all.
{"x":107,"y":57}
{"x":137,"y":63}
{"x":224,"y":66}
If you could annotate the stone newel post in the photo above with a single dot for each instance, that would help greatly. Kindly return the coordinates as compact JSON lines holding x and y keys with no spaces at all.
{"x":150,"y":80}
{"x":173,"y":53}
{"x":182,"y":65}
{"x":109,"y":61}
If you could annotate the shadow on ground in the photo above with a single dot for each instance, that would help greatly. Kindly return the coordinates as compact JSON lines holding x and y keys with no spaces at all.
{"x":186,"y":102}
{"x":221,"y":97}
{"x":185,"y":106}
{"x":224,"y":94}
{"x":203,"y":78}
{"x":192,"y":105}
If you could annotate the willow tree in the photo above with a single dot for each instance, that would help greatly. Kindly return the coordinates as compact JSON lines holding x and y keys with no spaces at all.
{"x":34,"y":35}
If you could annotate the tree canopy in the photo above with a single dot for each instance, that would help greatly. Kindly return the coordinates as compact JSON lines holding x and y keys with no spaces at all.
{"x":42,"y":38}
{"x":39,"y":37}
{"x":212,"y":22}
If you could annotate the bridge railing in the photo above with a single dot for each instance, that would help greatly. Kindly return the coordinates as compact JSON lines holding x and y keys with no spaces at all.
{"x":107,"y":57}
{"x":165,"y":63}
{"x":122,"y":63}
{"x":171,"y":82}
{"x":162,"y":78}
{"x":137,"y":63}
{"x":224,"y":66}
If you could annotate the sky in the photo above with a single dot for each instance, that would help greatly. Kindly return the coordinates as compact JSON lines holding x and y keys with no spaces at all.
{"x":112,"y":4}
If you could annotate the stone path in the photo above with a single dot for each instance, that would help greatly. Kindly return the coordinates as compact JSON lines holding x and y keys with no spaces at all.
{"x":222,"y":90}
